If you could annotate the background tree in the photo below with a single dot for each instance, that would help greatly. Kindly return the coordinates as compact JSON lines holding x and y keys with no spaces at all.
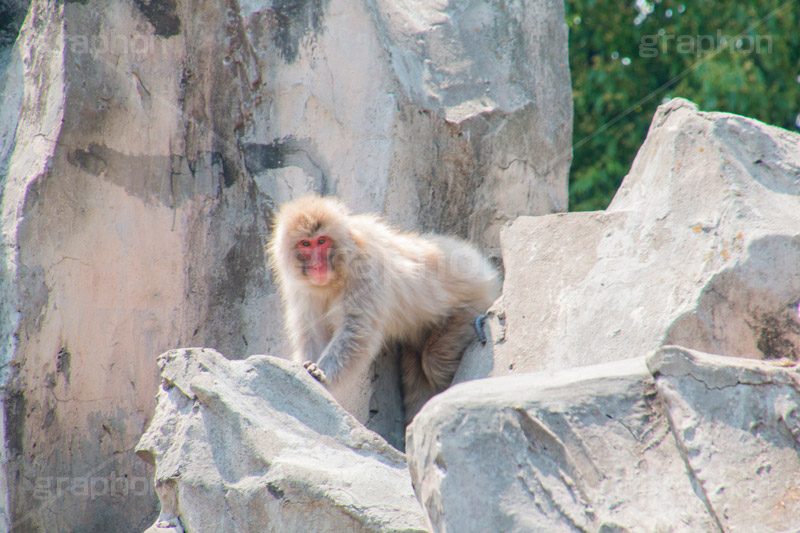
{"x":627,"y":58}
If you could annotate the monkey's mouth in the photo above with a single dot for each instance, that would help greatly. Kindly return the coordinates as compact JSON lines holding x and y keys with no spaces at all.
{"x":319,"y":274}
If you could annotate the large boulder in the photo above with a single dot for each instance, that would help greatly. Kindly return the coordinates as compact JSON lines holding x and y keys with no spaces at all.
{"x":143,"y":148}
{"x":700,"y":247}
{"x":260,"y":445}
{"x":679,"y":441}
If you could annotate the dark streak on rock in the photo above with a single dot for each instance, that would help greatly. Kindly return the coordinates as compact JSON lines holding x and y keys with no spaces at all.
{"x":260,"y":157}
{"x":49,"y":417}
{"x":294,"y":19}
{"x":162,"y":15}
{"x":774,"y":340}
{"x":63,"y":363}
{"x":15,"y":410}
{"x":88,"y":160}
{"x":229,"y":174}
{"x":275,"y":491}
{"x":243,"y":267}
{"x":288,"y":152}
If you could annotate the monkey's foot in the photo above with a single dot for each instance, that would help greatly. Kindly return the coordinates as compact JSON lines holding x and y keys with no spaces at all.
{"x":316,"y":371}
{"x":479,"y":328}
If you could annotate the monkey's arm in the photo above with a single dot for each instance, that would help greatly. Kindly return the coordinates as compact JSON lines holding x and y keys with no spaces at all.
{"x":356,"y":341}
{"x":359,"y":338}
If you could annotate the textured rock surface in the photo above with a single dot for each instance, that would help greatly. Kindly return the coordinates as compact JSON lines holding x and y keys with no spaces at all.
{"x":259,"y":445}
{"x":455,"y":117}
{"x":143,"y":147}
{"x":695,"y":443}
{"x":700,"y":248}
{"x":737,"y":424}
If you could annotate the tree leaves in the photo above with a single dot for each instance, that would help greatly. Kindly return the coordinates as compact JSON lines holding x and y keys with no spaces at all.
{"x":741,"y":57}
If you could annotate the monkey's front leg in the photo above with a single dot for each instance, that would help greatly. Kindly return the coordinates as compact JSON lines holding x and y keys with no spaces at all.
{"x":355,"y":343}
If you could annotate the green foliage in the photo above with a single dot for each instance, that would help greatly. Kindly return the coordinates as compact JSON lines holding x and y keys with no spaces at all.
{"x":628,"y":58}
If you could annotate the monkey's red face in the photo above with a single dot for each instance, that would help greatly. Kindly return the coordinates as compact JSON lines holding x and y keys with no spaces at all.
{"x":315,"y":259}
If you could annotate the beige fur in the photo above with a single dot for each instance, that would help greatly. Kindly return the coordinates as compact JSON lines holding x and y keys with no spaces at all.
{"x":388,"y":286}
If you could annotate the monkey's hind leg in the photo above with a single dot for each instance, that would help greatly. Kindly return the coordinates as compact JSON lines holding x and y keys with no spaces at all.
{"x":430,"y":370}
{"x":417,"y":389}
{"x":445,"y":346}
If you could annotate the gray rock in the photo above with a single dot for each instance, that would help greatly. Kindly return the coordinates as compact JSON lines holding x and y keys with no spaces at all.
{"x":143,"y":149}
{"x":700,"y":248}
{"x":737,"y":424}
{"x":452,"y":118}
{"x":259,"y":445}
{"x":709,"y":443}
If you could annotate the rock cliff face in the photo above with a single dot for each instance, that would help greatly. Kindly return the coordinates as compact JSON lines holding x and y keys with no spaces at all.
{"x":700,"y":247}
{"x":143,"y":148}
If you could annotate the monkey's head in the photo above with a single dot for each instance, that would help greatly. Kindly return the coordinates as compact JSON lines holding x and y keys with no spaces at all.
{"x":310,"y":241}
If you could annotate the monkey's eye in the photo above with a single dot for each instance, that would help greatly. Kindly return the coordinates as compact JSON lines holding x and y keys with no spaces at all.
{"x":305,"y":243}
{"x":321,"y":241}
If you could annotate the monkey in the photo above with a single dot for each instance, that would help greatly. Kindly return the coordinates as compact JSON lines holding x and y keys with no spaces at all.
{"x":352,"y":285}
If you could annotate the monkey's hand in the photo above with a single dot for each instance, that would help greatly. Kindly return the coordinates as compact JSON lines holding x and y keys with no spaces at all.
{"x":316,"y":371}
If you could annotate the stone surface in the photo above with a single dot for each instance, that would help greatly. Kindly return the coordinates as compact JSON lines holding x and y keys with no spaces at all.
{"x":737,"y":424}
{"x":450,"y":116}
{"x":679,"y":441}
{"x":259,"y":445}
{"x":143,"y":148}
{"x":700,"y":247}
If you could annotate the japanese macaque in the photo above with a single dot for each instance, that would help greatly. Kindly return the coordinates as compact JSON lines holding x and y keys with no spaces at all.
{"x":351,"y":285}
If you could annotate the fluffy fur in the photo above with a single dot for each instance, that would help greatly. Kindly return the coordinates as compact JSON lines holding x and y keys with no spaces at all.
{"x":387,"y":286}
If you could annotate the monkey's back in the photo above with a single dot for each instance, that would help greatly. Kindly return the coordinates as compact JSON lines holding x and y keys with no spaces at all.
{"x":423,"y":278}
